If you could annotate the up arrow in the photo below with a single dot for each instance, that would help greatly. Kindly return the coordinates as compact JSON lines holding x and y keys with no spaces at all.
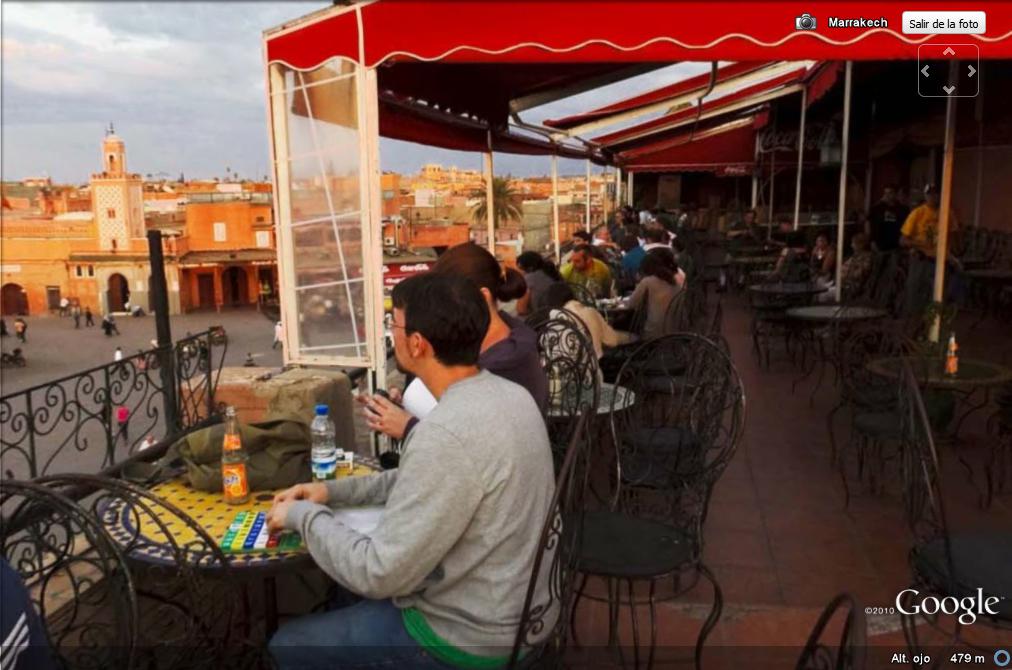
{"x":973,"y":70}
{"x":924,"y":71}
{"x":948,"y":52}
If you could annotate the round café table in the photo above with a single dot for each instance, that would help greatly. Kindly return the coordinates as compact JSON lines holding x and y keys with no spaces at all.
{"x":610,"y":396}
{"x":787,"y":289}
{"x":839,"y":318}
{"x":973,"y":375}
{"x":209,"y":511}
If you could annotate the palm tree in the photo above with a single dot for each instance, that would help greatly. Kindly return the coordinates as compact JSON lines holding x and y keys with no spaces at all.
{"x":505,"y":203}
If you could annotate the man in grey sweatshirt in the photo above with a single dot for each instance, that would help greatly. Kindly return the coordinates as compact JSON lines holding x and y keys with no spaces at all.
{"x":445,"y":572}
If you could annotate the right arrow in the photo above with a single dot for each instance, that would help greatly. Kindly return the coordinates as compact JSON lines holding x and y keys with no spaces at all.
{"x":948,"y":52}
{"x":973,"y":70}
{"x":924,"y":71}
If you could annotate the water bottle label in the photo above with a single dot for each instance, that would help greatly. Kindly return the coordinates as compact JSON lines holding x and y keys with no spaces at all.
{"x":324,"y":468}
{"x":231,"y":442}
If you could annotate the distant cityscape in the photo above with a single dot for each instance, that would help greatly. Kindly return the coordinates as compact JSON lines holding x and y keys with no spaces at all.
{"x":87,"y":243}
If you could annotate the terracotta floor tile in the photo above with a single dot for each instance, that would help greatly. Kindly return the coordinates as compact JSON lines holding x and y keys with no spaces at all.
{"x":743,"y":549}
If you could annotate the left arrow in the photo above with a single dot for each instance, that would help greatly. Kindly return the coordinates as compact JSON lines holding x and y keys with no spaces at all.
{"x":924,"y":71}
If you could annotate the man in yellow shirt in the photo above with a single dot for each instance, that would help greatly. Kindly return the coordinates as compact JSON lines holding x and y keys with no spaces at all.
{"x":920,"y":235}
{"x":585,"y":270}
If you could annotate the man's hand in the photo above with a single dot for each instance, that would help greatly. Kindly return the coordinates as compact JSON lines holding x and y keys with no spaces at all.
{"x":385,"y":417}
{"x":315,"y":492}
{"x":276,"y":516}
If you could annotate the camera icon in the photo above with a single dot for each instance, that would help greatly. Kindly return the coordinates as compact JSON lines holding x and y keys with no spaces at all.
{"x":804,"y":22}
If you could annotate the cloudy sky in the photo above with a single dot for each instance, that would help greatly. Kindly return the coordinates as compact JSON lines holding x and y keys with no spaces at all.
{"x":183,"y":84}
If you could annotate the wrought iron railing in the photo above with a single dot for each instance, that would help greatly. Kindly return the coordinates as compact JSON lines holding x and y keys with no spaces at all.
{"x":92,"y":420}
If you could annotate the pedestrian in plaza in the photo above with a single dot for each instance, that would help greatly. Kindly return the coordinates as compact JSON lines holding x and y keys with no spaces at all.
{"x":279,"y":332}
{"x":885,"y":220}
{"x":89,"y":319}
{"x":75,"y":312}
{"x":64,"y":306}
{"x":117,"y":355}
{"x":122,"y":421}
{"x":20,"y":329}
{"x":920,"y":235}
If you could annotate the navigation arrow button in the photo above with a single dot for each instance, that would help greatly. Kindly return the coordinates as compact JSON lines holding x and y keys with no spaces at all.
{"x":949,"y":89}
{"x":924,"y":71}
{"x":972,"y":70}
{"x":948,"y":52}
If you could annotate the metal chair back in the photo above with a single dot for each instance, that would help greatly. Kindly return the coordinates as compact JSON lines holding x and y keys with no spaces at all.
{"x":76,"y":575}
{"x":543,"y":630}
{"x":850,"y":653}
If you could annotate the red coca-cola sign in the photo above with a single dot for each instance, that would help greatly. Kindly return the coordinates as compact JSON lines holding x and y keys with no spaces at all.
{"x":393,"y":273}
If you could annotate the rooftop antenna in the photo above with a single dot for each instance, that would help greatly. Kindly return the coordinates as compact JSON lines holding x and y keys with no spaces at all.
{"x":110,"y":131}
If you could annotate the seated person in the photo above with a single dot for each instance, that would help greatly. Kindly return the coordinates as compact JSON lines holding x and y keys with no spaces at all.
{"x":632,"y":255}
{"x":655,"y":291}
{"x":686,"y":264}
{"x":602,"y":334}
{"x":791,"y":265}
{"x":585,"y":270}
{"x":602,"y":238}
{"x":444,"y":574}
{"x":747,"y":227}
{"x":509,"y":349}
{"x":823,"y":260}
{"x":656,"y":238}
{"x":539,"y":274}
{"x":857,"y":269}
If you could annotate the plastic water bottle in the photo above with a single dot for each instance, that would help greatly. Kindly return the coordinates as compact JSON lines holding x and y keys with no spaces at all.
{"x":324,"y":454}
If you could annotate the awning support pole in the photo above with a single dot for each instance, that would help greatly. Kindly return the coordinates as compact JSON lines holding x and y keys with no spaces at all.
{"x":755,"y":174}
{"x":618,"y":188}
{"x":945,"y":206}
{"x":801,"y":156}
{"x":773,"y":172}
{"x":555,"y":206}
{"x":489,"y":196}
{"x":588,"y":195}
{"x":629,"y":189}
{"x":842,"y":205}
{"x":979,"y":114}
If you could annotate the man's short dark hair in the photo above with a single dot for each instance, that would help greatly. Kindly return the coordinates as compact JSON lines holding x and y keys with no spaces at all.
{"x":582,"y":235}
{"x":448,"y":311}
{"x":656,"y":235}
{"x":583,"y":249}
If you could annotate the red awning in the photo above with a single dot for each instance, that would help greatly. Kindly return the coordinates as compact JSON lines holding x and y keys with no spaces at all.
{"x":612,"y":31}
{"x":697,"y":84}
{"x":730,"y":152}
{"x":734,"y":101}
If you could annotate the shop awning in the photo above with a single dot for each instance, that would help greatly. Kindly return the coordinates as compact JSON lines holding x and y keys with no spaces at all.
{"x":727,"y":150}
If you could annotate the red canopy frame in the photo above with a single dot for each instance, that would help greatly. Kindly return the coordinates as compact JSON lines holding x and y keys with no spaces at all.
{"x":404,"y":69}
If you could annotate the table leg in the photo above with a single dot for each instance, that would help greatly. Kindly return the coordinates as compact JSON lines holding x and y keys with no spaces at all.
{"x":270,"y":605}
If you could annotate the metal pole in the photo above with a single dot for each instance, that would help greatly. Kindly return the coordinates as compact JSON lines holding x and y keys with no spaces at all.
{"x":773,"y":170}
{"x":979,"y":115}
{"x":629,"y":189}
{"x":868,"y":164}
{"x":618,"y":188}
{"x":555,"y":206}
{"x":755,"y":174}
{"x":842,"y":206}
{"x":160,"y":305}
{"x":801,"y":155}
{"x":942,"y":242}
{"x":588,"y":195}
{"x":489,"y":196}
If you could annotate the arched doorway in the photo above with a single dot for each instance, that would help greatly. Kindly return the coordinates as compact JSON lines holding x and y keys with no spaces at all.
{"x":13,"y":300}
{"x":234,"y":287}
{"x":119,"y":293}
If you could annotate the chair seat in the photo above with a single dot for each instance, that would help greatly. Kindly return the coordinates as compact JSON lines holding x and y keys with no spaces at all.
{"x":880,"y":425}
{"x":980,"y":560}
{"x":653,"y":457}
{"x":872,"y":396}
{"x":620,"y":545}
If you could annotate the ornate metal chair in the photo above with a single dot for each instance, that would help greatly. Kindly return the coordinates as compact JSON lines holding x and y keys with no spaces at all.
{"x":583,"y":295}
{"x":672,"y":445}
{"x":871,"y":399}
{"x":187,"y":597}
{"x":76,"y":576}
{"x":851,"y":652}
{"x":945,"y":564}
{"x":545,"y":621}
{"x":678,"y":315}
{"x":574,"y":381}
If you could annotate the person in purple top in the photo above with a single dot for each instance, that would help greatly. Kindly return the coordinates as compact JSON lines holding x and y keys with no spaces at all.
{"x":509,"y":350}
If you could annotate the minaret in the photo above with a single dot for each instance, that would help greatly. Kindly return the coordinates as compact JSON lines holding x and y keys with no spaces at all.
{"x":116,"y":197}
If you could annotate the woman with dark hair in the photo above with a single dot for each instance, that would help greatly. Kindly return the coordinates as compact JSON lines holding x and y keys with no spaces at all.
{"x":539,"y":274}
{"x":509,"y":350}
{"x":655,"y":290}
{"x":603,"y":335}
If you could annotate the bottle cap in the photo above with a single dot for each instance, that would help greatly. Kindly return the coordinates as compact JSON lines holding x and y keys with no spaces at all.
{"x":321,"y":410}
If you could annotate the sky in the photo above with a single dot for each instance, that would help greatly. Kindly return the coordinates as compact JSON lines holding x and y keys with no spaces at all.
{"x":183,"y":85}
